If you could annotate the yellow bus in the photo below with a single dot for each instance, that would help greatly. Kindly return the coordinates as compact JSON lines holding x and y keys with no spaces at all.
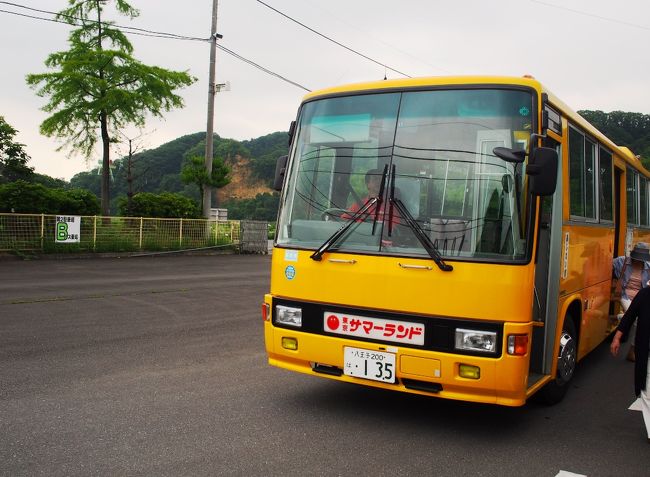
{"x":450,"y":237}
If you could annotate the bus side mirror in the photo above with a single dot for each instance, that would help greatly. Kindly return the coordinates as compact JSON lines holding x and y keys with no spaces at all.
{"x":542,"y":170}
{"x":280,"y":168}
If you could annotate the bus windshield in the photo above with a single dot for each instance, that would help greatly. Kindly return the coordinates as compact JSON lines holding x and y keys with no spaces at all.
{"x":431,"y":151}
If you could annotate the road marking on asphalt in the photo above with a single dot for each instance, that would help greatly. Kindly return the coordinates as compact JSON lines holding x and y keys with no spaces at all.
{"x":564,"y":473}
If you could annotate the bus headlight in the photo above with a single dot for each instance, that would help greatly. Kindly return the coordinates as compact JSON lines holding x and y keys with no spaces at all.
{"x":476,"y":340}
{"x":286,"y":315}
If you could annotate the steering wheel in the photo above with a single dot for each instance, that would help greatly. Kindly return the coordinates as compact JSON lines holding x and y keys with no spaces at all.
{"x":334,"y":214}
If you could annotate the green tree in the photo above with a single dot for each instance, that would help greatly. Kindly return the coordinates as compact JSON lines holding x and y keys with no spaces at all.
{"x":13,"y":158}
{"x":98,"y":87}
{"x":193,"y":172}
{"x":625,"y":129}
{"x":263,"y":207}
{"x":50,"y":182}
{"x":88,"y":180}
{"x":264,"y":153}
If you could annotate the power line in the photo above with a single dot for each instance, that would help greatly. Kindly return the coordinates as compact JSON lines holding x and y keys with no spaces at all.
{"x":593,"y":15}
{"x":148,"y":33}
{"x":133,"y":30}
{"x":53,"y":20}
{"x":174,"y":36}
{"x":30,"y":16}
{"x":331,"y":39}
{"x":370,"y":35}
{"x":252,"y":63}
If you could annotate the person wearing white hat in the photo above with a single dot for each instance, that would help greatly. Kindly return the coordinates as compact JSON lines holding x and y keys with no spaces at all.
{"x":634,"y":273}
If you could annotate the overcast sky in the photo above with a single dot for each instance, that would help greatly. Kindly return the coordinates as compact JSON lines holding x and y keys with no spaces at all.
{"x":593,"y":54}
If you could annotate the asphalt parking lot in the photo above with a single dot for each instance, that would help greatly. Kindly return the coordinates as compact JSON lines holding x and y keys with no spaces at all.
{"x":156,"y":366}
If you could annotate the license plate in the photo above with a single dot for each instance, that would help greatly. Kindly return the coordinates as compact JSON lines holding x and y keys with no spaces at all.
{"x":367,"y":364}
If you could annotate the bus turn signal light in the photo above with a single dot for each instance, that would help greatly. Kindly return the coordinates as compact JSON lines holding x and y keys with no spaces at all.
{"x":517,"y":345}
{"x":266,"y":311}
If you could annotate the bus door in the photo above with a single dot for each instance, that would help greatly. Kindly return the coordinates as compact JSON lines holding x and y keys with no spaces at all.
{"x":618,"y":177}
{"x":493,"y":207}
{"x":548,"y":270}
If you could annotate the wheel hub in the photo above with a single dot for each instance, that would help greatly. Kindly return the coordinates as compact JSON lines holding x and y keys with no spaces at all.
{"x":567,"y":359}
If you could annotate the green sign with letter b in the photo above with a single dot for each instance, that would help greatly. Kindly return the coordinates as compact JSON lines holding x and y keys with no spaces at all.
{"x":68,"y":229}
{"x":61,"y":231}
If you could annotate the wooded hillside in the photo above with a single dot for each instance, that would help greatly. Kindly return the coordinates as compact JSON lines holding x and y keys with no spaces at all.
{"x":252,"y":165}
{"x":625,"y":129}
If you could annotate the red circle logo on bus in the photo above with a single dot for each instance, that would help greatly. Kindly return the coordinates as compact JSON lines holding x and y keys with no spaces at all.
{"x":333,"y":322}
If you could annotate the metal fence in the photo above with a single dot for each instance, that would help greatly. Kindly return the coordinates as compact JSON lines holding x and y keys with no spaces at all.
{"x":254,"y":236}
{"x":38,"y":232}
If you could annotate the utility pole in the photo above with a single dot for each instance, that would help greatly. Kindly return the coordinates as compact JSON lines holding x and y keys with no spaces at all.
{"x":214,"y":36}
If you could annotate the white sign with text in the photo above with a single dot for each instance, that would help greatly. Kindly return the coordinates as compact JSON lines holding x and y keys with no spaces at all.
{"x":68,"y":229}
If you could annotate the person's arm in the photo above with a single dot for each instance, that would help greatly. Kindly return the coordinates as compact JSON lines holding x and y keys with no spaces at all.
{"x":628,"y":319}
{"x":616,"y":343}
{"x":353,"y":209}
{"x":645,"y":275}
{"x":618,"y":266}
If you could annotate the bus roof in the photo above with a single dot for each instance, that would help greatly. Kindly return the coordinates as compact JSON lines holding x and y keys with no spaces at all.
{"x":426,"y":81}
{"x":528,"y":81}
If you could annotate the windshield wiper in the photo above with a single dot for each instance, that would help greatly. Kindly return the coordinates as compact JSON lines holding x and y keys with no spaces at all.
{"x":363,"y":212}
{"x":420,"y":234}
{"x":380,"y":196}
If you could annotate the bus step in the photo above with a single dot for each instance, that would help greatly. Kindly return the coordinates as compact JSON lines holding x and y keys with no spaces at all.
{"x":534,"y":378}
{"x":422,"y":386}
{"x":326,"y":369}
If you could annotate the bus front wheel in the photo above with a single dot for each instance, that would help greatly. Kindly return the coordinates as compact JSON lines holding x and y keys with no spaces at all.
{"x":554,"y":391}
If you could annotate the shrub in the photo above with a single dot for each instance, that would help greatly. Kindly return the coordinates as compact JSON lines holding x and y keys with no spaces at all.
{"x":165,"y":205}
{"x":28,"y":198}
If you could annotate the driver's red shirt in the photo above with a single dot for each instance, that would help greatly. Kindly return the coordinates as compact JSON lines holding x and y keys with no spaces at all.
{"x":383,"y":211}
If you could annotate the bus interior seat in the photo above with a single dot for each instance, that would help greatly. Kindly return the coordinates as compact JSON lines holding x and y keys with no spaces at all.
{"x":451,"y":236}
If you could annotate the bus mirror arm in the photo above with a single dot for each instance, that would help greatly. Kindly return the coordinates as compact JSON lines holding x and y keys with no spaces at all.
{"x":515,"y":156}
{"x":535,"y":136}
